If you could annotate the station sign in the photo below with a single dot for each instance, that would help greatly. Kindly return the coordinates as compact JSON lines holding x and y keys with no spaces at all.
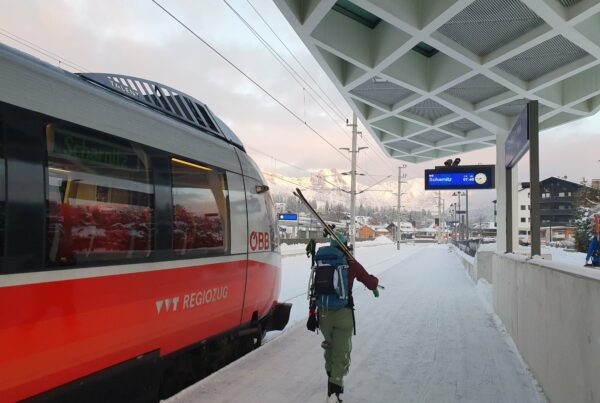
{"x":466,"y":177}
{"x":288,"y":217}
{"x":517,"y":142}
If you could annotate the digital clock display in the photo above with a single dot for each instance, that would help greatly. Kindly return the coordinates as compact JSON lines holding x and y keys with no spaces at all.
{"x":459,"y":178}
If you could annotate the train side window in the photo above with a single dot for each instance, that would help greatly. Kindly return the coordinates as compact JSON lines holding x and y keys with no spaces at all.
{"x":200,"y":209}
{"x":2,"y":191}
{"x":100,"y":198}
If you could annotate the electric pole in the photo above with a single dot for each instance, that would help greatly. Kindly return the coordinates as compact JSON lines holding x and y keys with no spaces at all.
{"x":439,"y":228}
{"x":400,"y":177}
{"x":443,"y":219}
{"x":467,"y":213}
{"x":353,"y":186}
{"x":354,"y":151}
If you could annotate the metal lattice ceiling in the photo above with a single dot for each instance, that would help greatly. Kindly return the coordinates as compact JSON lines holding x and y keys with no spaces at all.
{"x":486,"y":25}
{"x":488,"y":57}
{"x":543,"y":58}
{"x":429,"y":109}
{"x":476,"y":89}
{"x":382,"y":91}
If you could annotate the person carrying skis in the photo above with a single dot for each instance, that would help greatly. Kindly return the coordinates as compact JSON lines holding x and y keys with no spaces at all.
{"x":335,"y":319}
{"x":594,"y":248}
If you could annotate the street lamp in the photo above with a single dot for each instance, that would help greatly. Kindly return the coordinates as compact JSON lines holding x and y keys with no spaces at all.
{"x":459,"y":213}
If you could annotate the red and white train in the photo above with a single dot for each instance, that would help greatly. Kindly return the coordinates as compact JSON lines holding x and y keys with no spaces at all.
{"x":138,"y":240}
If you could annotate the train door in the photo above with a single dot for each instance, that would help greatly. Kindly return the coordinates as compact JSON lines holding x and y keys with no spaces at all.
{"x":264,"y":260}
{"x":239,"y":225}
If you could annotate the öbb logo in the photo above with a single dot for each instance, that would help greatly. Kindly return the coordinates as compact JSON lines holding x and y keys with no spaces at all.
{"x":259,"y":241}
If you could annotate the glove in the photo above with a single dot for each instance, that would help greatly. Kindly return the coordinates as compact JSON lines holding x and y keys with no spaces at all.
{"x":376,"y":290}
{"x":312,"y":322}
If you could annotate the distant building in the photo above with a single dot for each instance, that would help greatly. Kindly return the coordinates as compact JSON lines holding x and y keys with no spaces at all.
{"x":280,"y":207}
{"x":557,"y":209}
{"x":428,"y":232}
{"x":407,"y":230}
{"x":366,"y":232}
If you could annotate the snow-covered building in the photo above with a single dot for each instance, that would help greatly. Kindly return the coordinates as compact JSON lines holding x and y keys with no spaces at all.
{"x":557,"y":209}
{"x":524,"y":212}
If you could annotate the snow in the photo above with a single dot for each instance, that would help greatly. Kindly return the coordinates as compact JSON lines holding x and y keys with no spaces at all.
{"x":428,"y":338}
{"x":563,"y":256}
{"x":300,"y":248}
{"x":561,"y":259}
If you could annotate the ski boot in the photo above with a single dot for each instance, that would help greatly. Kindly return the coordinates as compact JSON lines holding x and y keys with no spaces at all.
{"x":333,"y":393}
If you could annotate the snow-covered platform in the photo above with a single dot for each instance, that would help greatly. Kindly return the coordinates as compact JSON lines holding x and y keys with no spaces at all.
{"x":428,"y":338}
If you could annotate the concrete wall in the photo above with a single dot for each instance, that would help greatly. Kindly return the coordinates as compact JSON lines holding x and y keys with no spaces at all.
{"x":478,"y":267}
{"x":552,"y":312}
{"x":468,"y":262}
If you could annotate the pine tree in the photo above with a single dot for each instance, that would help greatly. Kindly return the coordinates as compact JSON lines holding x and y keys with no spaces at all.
{"x":587,"y":201}
{"x":583,"y":227}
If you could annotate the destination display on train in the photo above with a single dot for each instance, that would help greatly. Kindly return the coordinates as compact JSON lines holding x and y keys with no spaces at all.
{"x":460,"y":178}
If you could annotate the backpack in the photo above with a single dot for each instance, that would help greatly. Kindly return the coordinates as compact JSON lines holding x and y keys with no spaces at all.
{"x":329,"y":280}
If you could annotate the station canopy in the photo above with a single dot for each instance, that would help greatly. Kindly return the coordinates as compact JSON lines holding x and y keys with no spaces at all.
{"x":434,"y":78}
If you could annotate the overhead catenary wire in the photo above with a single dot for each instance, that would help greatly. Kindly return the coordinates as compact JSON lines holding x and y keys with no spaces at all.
{"x":49,"y":54}
{"x":290,"y":69}
{"x":331,"y":104}
{"x":295,"y":75}
{"x":384,"y":158}
{"x":248,"y":77}
{"x":78,"y":67}
{"x":299,"y":168}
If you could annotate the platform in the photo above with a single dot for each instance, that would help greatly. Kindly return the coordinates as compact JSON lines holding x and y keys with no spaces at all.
{"x":428,"y":338}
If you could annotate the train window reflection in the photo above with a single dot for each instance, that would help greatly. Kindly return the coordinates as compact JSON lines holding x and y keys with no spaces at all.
{"x":200,"y":211}
{"x":2,"y":192}
{"x":100,"y":198}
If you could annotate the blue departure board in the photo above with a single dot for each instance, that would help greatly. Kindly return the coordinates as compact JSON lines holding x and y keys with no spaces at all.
{"x":460,"y":178}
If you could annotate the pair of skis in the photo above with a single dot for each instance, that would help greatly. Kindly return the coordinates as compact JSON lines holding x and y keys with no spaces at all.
{"x":326,"y":227}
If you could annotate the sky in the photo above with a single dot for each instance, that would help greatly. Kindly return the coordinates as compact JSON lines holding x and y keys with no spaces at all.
{"x":137,"y":38}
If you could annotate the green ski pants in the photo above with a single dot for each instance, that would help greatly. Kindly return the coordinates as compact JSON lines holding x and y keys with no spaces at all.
{"x":337,"y":327}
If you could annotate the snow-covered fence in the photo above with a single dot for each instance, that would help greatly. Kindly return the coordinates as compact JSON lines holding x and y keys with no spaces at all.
{"x":469,"y":247}
{"x":552,"y":312}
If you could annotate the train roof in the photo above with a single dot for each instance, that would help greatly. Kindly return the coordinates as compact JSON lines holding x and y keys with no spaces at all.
{"x":158,"y":97}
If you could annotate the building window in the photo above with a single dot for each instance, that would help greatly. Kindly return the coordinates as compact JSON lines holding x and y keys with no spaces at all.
{"x":528,"y":195}
{"x":545,"y":195}
{"x":200,"y":212}
{"x":522,"y":232}
{"x":569,"y":194}
{"x":561,"y":194}
{"x":100,"y":198}
{"x":522,"y":207}
{"x":522,"y":219}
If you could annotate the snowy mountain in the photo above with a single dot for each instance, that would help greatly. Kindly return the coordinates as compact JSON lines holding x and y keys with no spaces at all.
{"x":328,"y":185}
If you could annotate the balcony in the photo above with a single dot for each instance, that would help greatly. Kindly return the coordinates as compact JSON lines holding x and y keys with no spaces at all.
{"x":557,"y":199}
{"x":567,"y":212}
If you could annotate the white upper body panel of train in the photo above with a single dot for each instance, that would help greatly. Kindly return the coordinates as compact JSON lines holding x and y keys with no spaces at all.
{"x":35,"y":85}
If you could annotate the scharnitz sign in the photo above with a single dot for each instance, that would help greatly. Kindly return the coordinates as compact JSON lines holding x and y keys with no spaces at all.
{"x":460,"y":177}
